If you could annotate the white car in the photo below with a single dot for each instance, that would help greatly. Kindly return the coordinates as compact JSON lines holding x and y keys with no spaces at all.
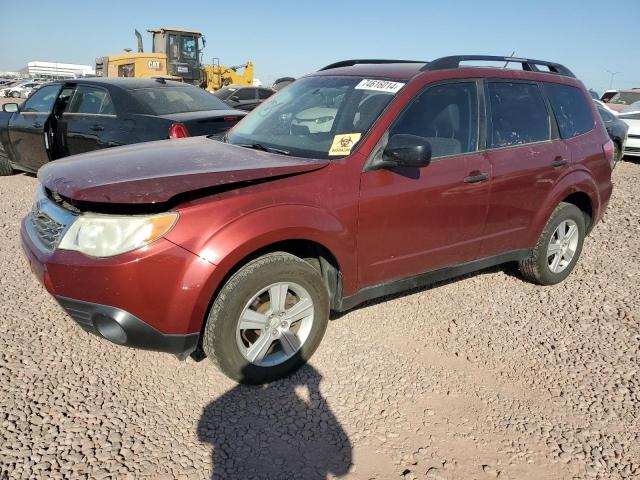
{"x":17,"y":91}
{"x":631,"y":116}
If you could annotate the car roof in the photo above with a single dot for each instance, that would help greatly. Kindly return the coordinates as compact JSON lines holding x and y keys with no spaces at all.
{"x":398,"y":71}
{"x":127,"y":83}
{"x":407,"y":69}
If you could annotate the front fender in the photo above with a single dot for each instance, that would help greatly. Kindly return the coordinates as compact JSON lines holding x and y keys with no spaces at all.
{"x":573,"y":182}
{"x":235,"y":241}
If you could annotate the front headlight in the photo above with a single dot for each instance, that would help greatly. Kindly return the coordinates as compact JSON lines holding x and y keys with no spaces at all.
{"x":108,"y":235}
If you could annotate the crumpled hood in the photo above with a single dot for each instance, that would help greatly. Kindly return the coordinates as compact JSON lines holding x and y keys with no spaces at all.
{"x":155,"y":172}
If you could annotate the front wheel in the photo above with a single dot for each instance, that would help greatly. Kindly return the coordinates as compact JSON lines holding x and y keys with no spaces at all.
{"x":267,"y":319}
{"x":558,"y":248}
{"x":5,"y":166}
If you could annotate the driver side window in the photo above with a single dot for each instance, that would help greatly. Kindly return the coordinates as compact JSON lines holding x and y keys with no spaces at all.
{"x":42,"y":100}
{"x":446,"y":116}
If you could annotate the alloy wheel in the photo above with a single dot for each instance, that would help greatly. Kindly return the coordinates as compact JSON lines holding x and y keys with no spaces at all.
{"x":562,"y":246}
{"x":274,"y":324}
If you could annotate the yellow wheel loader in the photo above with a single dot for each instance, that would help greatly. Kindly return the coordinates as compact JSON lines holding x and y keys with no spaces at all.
{"x":175,"y":55}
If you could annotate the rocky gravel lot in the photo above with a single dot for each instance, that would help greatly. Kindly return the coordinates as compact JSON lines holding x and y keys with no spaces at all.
{"x":481,"y":377}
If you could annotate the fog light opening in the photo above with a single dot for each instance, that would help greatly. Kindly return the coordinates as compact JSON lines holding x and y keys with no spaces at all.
{"x":109,"y":328}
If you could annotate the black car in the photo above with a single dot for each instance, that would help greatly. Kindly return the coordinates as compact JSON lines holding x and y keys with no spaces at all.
{"x":244,"y":98}
{"x":617,"y":130}
{"x":70,"y":117}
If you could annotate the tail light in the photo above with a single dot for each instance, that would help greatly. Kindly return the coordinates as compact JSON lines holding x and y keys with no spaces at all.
{"x":230,"y":119}
{"x":178,"y":130}
{"x":608,"y":150}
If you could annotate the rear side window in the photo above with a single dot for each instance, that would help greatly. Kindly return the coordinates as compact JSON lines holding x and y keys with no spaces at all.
{"x":91,"y":100}
{"x":570,"y":107}
{"x":263,"y":93}
{"x":445,"y":115}
{"x":246,"y":94}
{"x":518,"y":114}
{"x":167,"y":100}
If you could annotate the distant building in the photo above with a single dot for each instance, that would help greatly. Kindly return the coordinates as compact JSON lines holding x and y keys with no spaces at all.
{"x":57,"y":70}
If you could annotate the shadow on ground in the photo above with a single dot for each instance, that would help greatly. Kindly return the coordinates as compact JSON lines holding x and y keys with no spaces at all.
{"x":283,"y":430}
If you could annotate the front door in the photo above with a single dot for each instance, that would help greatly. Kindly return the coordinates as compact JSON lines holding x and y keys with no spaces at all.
{"x":29,"y":128}
{"x":417,"y":220}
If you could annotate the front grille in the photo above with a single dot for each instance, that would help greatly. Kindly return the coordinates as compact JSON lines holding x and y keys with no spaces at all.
{"x":47,"y":230}
{"x":633,"y":136}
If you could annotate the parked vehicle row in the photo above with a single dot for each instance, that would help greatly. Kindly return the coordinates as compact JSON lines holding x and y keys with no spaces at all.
{"x":71,"y":117}
{"x":363,"y":179}
{"x":616,"y":128}
{"x":20,"y":90}
{"x":243,"y":98}
{"x":618,"y":99}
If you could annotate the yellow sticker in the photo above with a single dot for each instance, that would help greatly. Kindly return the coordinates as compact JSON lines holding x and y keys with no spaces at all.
{"x":343,"y":143}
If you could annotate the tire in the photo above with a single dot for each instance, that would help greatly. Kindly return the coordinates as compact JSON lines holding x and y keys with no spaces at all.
{"x":539,"y":267}
{"x":229,"y":346}
{"x":617,"y":153}
{"x":5,"y":167}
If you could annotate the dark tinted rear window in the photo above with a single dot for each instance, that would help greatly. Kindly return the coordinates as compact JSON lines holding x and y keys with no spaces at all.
{"x":166,"y":100}
{"x":518,"y":114}
{"x":571,"y":109}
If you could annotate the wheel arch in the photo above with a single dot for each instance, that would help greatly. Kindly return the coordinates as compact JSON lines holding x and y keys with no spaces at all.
{"x":577,"y":188}
{"x":304,"y":248}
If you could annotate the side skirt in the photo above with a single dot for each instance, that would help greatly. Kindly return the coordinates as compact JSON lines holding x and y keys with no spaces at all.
{"x":368,"y":293}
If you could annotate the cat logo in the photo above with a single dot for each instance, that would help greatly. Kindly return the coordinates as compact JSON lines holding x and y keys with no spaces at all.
{"x":154,"y":65}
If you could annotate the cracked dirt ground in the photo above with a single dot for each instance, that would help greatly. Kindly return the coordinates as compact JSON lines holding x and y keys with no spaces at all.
{"x":481,"y":377}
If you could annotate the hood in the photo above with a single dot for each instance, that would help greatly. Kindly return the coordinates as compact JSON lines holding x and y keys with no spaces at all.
{"x":155,"y":172}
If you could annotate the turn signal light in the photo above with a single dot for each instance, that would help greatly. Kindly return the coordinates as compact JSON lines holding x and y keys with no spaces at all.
{"x":178,"y":130}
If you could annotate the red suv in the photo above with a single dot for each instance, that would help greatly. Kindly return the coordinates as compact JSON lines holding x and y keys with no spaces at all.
{"x":363,"y":179}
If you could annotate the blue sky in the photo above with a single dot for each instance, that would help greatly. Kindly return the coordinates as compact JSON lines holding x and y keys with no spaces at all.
{"x":295,"y":37}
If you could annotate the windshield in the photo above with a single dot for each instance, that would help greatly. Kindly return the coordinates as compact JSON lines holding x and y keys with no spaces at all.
{"x":625,"y":98}
{"x":225,"y":92}
{"x":316,"y":117}
{"x":166,"y":100}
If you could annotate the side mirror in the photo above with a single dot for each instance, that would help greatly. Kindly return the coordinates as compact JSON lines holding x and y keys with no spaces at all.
{"x":234,"y":98}
{"x":407,"y":151}
{"x":10,"y":107}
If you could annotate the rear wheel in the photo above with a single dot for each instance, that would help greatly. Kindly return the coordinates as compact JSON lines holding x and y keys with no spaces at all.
{"x":268,"y":319}
{"x":617,"y":153}
{"x":558,"y":248}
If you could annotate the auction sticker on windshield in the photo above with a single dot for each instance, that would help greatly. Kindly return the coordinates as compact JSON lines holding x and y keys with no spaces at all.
{"x":343,"y":143}
{"x":379,"y":85}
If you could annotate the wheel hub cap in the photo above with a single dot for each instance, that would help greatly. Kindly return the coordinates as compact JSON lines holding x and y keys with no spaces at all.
{"x":562,"y":246}
{"x":275,"y":323}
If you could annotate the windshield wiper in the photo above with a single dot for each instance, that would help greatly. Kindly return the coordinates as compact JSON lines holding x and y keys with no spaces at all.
{"x":259,"y":146}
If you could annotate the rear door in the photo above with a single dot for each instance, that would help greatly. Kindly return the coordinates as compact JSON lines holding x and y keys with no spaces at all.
{"x":88,"y":120}
{"x":527,"y":158}
{"x":29,"y":129}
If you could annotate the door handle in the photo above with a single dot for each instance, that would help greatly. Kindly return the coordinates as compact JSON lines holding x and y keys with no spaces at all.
{"x":480,"y":177}
{"x":37,"y":124}
{"x":96,"y":128}
{"x":558,"y":162}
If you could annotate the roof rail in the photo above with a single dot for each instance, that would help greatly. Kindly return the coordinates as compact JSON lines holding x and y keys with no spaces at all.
{"x":527,"y":63}
{"x":370,"y":61}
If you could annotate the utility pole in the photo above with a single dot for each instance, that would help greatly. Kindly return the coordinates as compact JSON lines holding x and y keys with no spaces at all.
{"x":613,"y":74}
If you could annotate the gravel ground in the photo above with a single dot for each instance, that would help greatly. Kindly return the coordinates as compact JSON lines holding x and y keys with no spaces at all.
{"x":482,"y":377}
